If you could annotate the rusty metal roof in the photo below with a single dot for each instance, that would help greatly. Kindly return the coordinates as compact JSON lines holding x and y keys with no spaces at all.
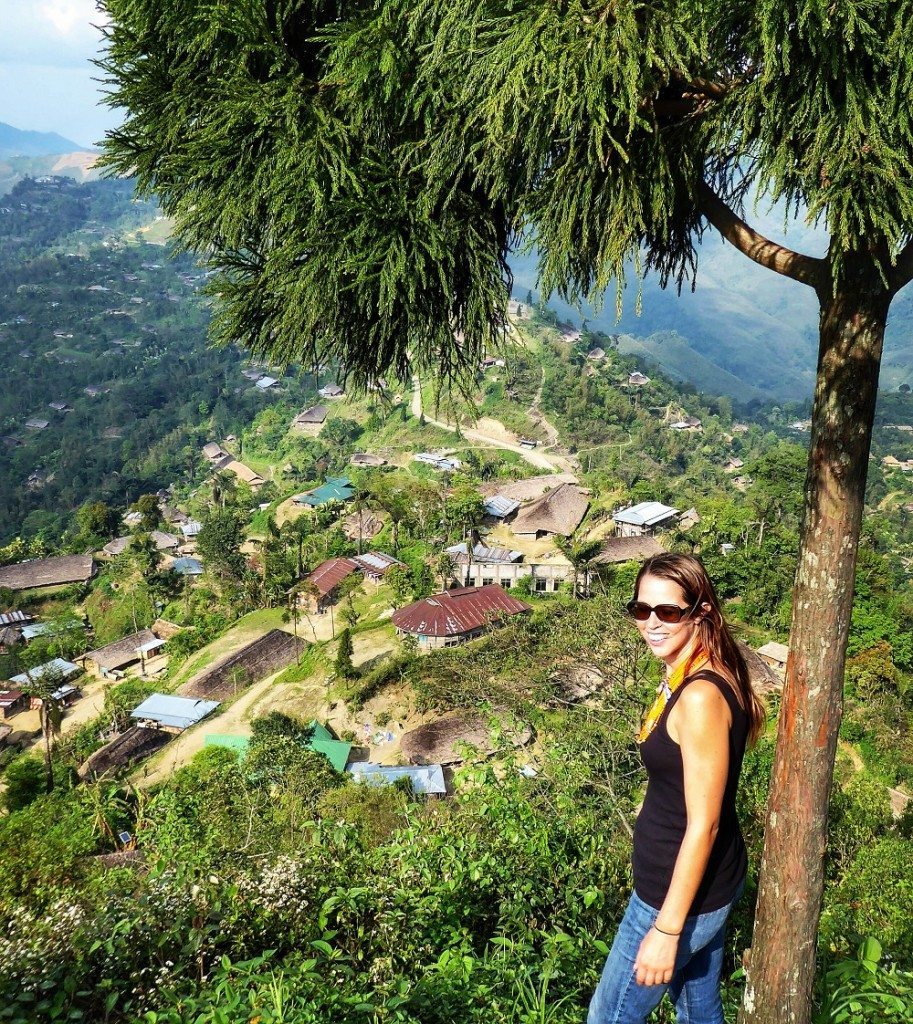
{"x":455,"y":612}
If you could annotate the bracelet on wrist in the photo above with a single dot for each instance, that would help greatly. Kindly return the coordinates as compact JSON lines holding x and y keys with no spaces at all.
{"x":662,"y":931}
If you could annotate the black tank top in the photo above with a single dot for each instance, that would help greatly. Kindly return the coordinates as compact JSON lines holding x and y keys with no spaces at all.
{"x":660,"y":826}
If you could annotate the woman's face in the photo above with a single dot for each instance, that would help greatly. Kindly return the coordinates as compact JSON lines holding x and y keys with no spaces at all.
{"x":667,"y":640}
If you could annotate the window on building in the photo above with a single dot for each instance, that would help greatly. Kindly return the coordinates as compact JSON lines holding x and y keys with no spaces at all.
{"x":541,"y":586}
{"x":487,"y":581}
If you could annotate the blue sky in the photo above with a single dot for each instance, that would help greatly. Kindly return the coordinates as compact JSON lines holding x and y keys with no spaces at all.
{"x":46,"y":78}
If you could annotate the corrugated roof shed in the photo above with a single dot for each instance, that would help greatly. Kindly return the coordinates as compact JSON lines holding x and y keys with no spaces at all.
{"x":500,"y":506}
{"x":172,"y":711}
{"x":55,"y":666}
{"x":481,"y":553}
{"x":335,"y":489}
{"x":647,"y":513}
{"x":455,"y":612}
{"x":427,"y":779}
{"x":375,"y":563}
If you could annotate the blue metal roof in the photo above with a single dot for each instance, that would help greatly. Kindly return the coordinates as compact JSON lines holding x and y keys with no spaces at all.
{"x":187,"y":566}
{"x":177,"y":712}
{"x":645,"y":514}
{"x":427,"y":778}
{"x":65,"y":668}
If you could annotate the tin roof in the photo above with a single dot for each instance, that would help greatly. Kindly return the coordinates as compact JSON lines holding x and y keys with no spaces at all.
{"x":455,"y":612}
{"x":375,"y":563}
{"x":54,"y":666}
{"x":480,"y":553}
{"x":424,"y":778}
{"x":177,"y":712}
{"x":329,"y":574}
{"x":647,"y":513}
{"x":499,"y":506}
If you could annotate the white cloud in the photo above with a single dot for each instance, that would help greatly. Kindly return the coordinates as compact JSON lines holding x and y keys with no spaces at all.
{"x":67,"y":16}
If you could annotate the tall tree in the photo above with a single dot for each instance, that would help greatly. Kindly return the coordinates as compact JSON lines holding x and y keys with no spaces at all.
{"x":429,"y":135}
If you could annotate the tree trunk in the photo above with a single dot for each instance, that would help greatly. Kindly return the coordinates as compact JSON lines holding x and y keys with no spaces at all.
{"x":782,"y":963}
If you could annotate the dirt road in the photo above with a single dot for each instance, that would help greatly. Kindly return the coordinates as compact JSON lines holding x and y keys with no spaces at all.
{"x":535,"y":457}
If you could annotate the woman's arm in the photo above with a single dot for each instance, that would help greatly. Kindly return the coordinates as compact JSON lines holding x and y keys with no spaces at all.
{"x":699,"y":723}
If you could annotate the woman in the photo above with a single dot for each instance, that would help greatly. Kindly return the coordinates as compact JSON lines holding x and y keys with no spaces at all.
{"x":689,"y":858}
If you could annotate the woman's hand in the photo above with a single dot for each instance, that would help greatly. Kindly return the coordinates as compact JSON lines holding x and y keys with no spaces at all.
{"x":656,"y":958}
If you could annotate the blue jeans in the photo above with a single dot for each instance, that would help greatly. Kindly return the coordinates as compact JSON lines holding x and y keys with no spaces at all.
{"x":695,"y":985}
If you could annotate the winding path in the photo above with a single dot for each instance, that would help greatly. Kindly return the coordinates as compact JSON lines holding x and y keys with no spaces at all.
{"x":537,"y":458}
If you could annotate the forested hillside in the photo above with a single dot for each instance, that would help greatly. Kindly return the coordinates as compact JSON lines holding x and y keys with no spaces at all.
{"x":231,"y":868}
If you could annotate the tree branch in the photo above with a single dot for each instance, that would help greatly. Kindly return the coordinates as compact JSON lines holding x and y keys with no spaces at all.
{"x":902,"y":271}
{"x":808,"y":270}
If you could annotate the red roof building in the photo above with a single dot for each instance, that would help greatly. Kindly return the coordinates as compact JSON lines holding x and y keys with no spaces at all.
{"x":327,"y":577}
{"x":456,"y":616}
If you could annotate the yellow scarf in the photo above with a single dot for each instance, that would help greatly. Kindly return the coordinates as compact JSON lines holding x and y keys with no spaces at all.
{"x":697,"y":659}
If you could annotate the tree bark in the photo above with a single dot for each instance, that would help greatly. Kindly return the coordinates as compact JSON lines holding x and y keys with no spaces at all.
{"x":782,"y":962}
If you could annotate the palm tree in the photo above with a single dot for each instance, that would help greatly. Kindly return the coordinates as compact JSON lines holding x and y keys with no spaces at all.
{"x":580,"y":554}
{"x":50,"y":713}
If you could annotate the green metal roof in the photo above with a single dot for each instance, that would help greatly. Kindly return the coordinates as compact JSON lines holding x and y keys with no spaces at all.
{"x":321,"y":742}
{"x":238,"y":744}
{"x":336,"y":488}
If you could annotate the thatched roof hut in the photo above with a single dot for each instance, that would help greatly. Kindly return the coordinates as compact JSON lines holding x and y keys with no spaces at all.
{"x":122,"y":652}
{"x":47,"y":572}
{"x":628,"y":549}
{"x":131,"y":746}
{"x":441,"y":742}
{"x":559,"y":511}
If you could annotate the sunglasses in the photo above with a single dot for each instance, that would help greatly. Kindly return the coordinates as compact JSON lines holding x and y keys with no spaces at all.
{"x":640,"y":611}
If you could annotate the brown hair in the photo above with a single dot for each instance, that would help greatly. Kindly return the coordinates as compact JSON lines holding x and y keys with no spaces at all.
{"x":725,"y":655}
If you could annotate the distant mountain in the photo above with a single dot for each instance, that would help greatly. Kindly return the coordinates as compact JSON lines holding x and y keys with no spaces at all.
{"x":744,"y":331}
{"x":16,"y":142}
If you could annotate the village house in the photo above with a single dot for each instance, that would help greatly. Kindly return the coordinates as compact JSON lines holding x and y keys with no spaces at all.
{"x":375,"y":565}
{"x":775,"y":655}
{"x":95,"y":390}
{"x":331,"y":391}
{"x":266,"y":383}
{"x":16,"y":618}
{"x":367,"y":461}
{"x":10,"y":637}
{"x":252,"y":373}
{"x":243,"y":473}
{"x":57,"y":668}
{"x":36,"y":424}
{"x":499,"y":507}
{"x":637,"y":379}
{"x":596,"y":354}
{"x":889,"y":462}
{"x":644,"y":518}
{"x":325,"y":581}
{"x":215,"y":452}
{"x":732,"y":464}
{"x":311,"y":420}
{"x":456,"y":616}
{"x":441,"y":463}
{"x":13,"y":702}
{"x":59,"y":407}
{"x":113,"y":659}
{"x":336,"y":488}
{"x":426,"y":779}
{"x":191,"y":529}
{"x":38,"y":573}
{"x":558,"y":512}
{"x":187,"y":566}
{"x":690,"y":424}
{"x":162,"y":541}
{"x":172,"y":713}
